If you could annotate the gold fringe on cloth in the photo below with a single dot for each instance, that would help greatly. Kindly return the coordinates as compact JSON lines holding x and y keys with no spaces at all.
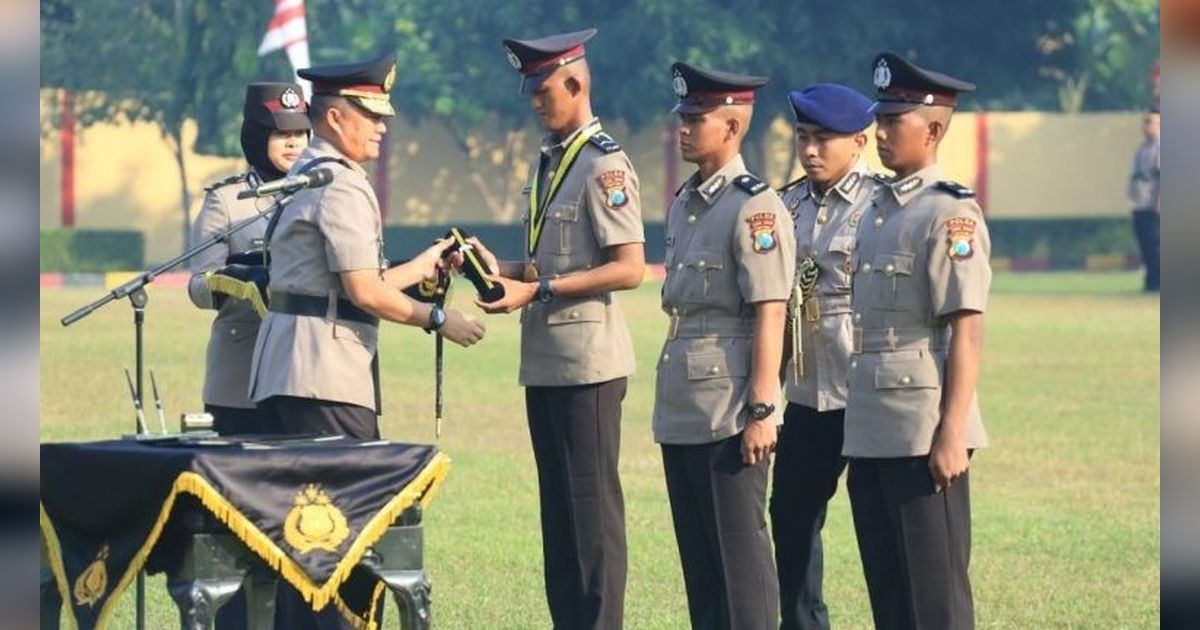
{"x":239,"y":289}
{"x":420,"y":490}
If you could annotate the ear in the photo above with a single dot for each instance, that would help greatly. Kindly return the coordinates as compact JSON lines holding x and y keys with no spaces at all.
{"x":573,"y":86}
{"x":936,"y":130}
{"x":733,"y":125}
{"x":860,"y":141}
{"x":333,"y":118}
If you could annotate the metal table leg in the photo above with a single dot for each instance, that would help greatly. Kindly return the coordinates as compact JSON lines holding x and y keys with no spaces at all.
{"x":397,"y":559}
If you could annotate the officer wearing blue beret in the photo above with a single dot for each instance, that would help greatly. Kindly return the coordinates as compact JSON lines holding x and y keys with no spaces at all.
{"x":827,"y":206}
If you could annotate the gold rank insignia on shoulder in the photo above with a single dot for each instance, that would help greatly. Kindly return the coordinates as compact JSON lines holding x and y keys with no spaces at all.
{"x":613,"y":184}
{"x":762,"y":231}
{"x":959,"y":232}
{"x":314,"y":522}
{"x":91,"y":585}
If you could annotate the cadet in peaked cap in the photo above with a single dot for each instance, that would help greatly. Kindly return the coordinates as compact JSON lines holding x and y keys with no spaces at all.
{"x":921,"y":280}
{"x":365,"y":83}
{"x":701,"y":90}
{"x":584,"y":242}
{"x":536,"y":59}
{"x":730,"y":260}
{"x":826,"y":205}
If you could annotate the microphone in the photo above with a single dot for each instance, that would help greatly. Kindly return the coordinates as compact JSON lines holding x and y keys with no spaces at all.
{"x":315,"y":178}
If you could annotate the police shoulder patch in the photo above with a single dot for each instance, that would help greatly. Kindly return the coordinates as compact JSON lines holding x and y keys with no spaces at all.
{"x":232,"y":179}
{"x":605,"y":142}
{"x":956,"y":189}
{"x":749,"y":183}
{"x":792,"y":184}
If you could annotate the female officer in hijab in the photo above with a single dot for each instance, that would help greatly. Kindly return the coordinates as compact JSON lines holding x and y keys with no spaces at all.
{"x":275,"y":129}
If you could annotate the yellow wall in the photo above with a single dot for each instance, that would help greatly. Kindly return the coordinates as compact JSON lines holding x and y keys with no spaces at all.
{"x":1040,"y":165}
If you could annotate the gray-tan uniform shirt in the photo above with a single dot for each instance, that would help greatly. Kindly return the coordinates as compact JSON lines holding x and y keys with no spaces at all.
{"x":231,"y":340}
{"x":826,"y":227}
{"x":1144,"y":182}
{"x":922,"y":254}
{"x":580,"y":340}
{"x":730,"y":244}
{"x":322,"y":232}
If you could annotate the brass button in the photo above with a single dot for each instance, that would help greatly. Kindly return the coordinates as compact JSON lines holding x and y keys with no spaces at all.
{"x":889,"y":268}
{"x":905,"y":380}
{"x":574,"y":315}
{"x":858,"y":317}
{"x":854,"y":364}
{"x":557,"y":215}
{"x":678,"y":266}
{"x":674,"y":310}
{"x":666,"y":358}
{"x":866,"y":267}
{"x":701,"y":264}
{"x":232,"y":332}
{"x":814,"y":253}
{"x":691,"y":218}
{"x":714,"y":370}
{"x":822,"y":219}
{"x":878,"y":221}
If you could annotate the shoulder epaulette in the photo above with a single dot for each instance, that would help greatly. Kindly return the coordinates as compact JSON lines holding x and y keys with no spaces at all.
{"x":956,"y":189}
{"x":749,"y":183}
{"x":790,"y":185}
{"x":232,"y":179}
{"x":881,"y":178}
{"x":604,"y":142}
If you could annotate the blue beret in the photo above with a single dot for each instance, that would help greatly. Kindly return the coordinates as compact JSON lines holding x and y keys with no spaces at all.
{"x":831,"y":106}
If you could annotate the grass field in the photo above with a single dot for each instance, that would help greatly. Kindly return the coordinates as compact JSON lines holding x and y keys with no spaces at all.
{"x":1065,"y":502}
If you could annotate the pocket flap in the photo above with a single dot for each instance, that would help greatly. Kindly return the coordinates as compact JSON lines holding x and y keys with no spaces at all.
{"x":716,"y":364}
{"x":842,"y":244}
{"x":704,"y":259}
{"x":566,"y":311}
{"x":564,"y":212}
{"x":899,"y":263}
{"x":906,"y":373}
{"x":237,"y":331}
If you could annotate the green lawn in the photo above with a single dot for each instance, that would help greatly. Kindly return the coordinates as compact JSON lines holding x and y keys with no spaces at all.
{"x":1066,"y":501}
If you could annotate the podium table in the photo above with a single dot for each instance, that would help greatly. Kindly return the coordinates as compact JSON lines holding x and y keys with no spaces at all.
{"x":338,"y":519}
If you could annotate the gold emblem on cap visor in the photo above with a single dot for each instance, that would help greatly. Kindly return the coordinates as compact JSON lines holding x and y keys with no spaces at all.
{"x":389,"y":79}
{"x":883,"y":75}
{"x":513,"y":59}
{"x":289,"y":99}
{"x":314,"y":522}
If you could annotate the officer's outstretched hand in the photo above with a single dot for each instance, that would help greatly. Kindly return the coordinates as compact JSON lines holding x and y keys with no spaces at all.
{"x":947,"y":460}
{"x":461,"y":328}
{"x":516,"y":295}
{"x":429,"y":261}
{"x":758,"y":440}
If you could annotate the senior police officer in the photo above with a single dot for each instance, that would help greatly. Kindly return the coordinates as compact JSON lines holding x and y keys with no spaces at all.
{"x":315,"y":365}
{"x":827,"y":206}
{"x":584,"y":242}
{"x":912,"y":417}
{"x":730,"y":263}
{"x":275,"y":130}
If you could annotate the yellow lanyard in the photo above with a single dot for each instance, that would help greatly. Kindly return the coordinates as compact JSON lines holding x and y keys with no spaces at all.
{"x":537,"y":212}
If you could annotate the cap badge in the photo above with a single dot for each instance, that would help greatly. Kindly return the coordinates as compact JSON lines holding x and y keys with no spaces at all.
{"x":389,"y":79}
{"x":679,"y":85}
{"x":513,"y":59}
{"x":883,"y":75}
{"x":289,"y":99}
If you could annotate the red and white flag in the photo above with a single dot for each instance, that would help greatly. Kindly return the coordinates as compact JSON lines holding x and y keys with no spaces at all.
{"x":288,"y":30}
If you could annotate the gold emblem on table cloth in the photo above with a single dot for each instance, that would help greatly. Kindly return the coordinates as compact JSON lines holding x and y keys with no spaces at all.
{"x":314,"y":522}
{"x":91,"y":585}
{"x":806,"y":278}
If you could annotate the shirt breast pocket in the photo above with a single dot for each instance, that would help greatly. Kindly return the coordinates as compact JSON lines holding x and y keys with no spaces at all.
{"x":703,"y":276}
{"x":840,"y":262}
{"x":895,"y":282}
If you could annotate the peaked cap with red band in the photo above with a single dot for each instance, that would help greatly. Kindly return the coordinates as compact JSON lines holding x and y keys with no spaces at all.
{"x":366,"y":83}
{"x":278,"y":106}
{"x":537,"y":59}
{"x":902,"y":86}
{"x":701,"y":90}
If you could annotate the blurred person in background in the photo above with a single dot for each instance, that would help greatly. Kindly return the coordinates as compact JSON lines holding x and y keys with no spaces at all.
{"x":1143,"y":197}
{"x":275,"y":130}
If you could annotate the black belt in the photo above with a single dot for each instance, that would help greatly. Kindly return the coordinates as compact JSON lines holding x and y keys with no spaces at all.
{"x":318,"y":306}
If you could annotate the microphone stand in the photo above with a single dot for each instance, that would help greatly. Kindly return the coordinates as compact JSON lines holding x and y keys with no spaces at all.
{"x":135,"y":290}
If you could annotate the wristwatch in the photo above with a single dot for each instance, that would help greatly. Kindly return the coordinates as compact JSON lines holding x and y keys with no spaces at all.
{"x":760,"y":411}
{"x":544,"y":293}
{"x":437,"y":319}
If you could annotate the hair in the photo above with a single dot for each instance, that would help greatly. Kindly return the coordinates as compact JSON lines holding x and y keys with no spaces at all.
{"x":322,"y":103}
{"x":743,"y":113}
{"x":939,"y":114}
